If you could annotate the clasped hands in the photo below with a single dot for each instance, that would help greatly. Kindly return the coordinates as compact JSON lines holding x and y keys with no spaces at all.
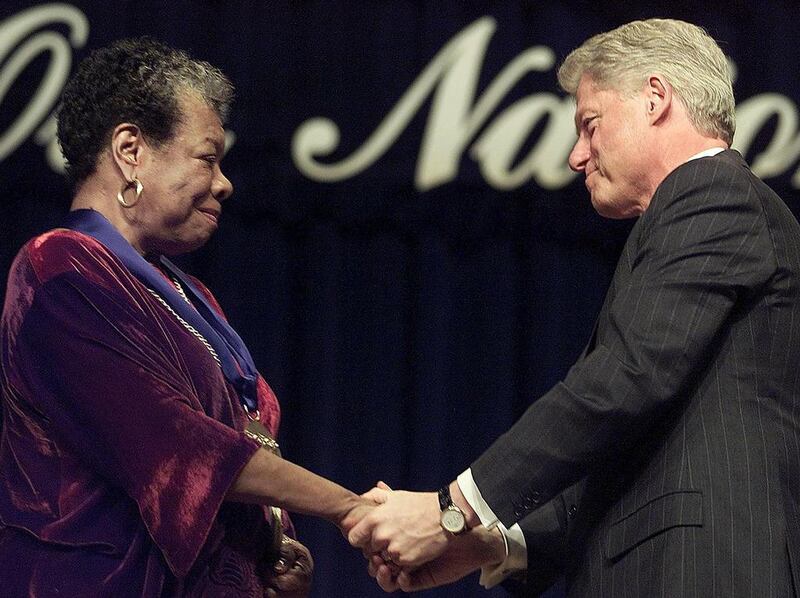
{"x":406,"y":547}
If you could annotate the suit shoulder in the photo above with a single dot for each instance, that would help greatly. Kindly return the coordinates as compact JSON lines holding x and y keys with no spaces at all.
{"x":726,"y":166}
{"x":733,"y":168}
{"x":725,"y":180}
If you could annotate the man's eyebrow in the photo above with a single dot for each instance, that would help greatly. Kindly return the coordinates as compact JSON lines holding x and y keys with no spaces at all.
{"x":578,"y":120}
{"x":582,"y":119}
{"x":219,"y":146}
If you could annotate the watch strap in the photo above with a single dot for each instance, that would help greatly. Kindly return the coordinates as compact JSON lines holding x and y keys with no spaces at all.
{"x":445,"y":500}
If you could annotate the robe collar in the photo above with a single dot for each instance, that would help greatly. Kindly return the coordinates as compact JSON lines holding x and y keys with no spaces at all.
{"x":236,"y":362}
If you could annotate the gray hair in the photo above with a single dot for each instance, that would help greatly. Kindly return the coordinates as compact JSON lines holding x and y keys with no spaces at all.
{"x":689,"y":59}
{"x":139,"y":81}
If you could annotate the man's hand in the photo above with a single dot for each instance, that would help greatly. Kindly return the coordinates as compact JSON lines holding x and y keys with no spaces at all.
{"x":466,"y":553}
{"x":292,"y":573}
{"x":405,"y":529}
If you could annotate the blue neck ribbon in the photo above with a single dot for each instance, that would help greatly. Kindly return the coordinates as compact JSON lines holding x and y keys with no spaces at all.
{"x":237,"y":363}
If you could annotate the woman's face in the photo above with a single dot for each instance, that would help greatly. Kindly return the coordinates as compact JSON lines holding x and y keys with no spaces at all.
{"x":183,"y":184}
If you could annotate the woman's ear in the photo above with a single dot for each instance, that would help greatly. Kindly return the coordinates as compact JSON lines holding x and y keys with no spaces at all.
{"x":126,"y":148}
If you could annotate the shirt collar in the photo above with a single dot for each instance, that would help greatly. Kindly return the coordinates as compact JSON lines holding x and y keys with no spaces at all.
{"x":707,"y":153}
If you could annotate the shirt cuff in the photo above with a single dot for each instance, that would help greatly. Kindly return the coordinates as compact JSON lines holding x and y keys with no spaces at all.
{"x":473,"y":496}
{"x":516,"y":557}
{"x":513,"y":538}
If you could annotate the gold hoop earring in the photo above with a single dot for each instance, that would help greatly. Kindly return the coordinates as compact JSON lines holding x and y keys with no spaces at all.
{"x":121,"y":195}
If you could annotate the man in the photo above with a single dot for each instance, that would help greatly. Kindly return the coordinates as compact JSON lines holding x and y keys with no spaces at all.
{"x":667,"y":463}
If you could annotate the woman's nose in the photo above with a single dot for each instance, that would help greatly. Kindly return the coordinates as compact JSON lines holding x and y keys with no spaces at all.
{"x":222,"y":188}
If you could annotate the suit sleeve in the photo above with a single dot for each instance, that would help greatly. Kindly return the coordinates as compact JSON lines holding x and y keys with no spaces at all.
{"x":545,"y":532}
{"x":703,"y":251}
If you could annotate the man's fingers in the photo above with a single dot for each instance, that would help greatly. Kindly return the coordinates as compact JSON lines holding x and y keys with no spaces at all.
{"x":418,"y":579}
{"x":375,"y":562}
{"x":372,"y":569}
{"x":407,"y":580}
{"x":365,"y":536}
{"x":386,"y":579}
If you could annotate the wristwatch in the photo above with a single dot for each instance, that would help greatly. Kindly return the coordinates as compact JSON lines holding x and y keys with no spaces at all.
{"x":452,"y":519}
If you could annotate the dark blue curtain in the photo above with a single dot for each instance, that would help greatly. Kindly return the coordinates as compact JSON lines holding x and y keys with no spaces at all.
{"x":403,"y":328}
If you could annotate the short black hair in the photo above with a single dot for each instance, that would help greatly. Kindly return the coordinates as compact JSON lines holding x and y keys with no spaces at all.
{"x":135,"y":80}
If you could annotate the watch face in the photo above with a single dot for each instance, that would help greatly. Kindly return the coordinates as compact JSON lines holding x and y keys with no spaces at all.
{"x":453,"y":520}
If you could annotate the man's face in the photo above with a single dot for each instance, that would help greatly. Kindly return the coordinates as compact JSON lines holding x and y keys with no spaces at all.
{"x":613,"y":149}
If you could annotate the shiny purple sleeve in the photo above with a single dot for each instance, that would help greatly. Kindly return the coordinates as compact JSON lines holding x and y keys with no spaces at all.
{"x":95,"y":355}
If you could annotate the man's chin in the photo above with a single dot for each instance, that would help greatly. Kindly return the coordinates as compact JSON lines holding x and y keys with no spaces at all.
{"x":608,"y":209}
{"x":601,"y":207}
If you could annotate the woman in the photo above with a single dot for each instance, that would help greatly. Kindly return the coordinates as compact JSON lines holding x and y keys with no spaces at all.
{"x":132,"y":460}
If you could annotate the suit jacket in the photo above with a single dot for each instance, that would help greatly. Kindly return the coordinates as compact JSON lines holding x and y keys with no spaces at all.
{"x":667,"y":463}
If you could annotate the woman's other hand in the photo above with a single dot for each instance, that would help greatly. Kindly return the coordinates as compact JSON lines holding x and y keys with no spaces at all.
{"x":293,"y":571}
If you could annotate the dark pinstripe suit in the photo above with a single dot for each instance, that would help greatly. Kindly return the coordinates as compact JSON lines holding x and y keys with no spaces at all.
{"x":680,"y":423}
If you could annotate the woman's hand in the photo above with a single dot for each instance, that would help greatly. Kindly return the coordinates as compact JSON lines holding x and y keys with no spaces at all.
{"x":360,"y":507}
{"x":292,"y":572}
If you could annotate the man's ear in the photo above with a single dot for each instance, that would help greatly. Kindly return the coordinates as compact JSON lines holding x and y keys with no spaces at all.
{"x":127,"y":147}
{"x":658,"y":95}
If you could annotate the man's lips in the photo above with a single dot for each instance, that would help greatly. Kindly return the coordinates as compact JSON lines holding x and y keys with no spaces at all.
{"x":586,"y":180}
{"x":212,"y":215}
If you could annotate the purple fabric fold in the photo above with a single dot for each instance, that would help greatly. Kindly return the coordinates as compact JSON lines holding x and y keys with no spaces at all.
{"x":121,"y":435}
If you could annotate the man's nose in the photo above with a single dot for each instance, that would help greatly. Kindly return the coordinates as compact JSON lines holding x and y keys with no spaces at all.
{"x":579,"y":155}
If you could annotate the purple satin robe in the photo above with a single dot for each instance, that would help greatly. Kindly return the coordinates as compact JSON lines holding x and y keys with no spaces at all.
{"x":120,"y":439}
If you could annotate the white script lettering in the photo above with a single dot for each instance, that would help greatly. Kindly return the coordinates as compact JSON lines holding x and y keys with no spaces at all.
{"x":456,"y":115}
{"x":40,"y":108}
{"x":455,"y":118}
{"x":12,"y":31}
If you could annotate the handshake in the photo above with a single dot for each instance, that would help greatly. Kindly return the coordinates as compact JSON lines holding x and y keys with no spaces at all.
{"x":403,"y":536}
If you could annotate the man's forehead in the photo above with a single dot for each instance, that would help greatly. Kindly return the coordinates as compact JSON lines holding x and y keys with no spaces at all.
{"x":585,"y":97}
{"x":591,"y":94}
{"x":587,"y":88}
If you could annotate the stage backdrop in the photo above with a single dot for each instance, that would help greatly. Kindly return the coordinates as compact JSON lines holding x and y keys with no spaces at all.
{"x":406,"y":252}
